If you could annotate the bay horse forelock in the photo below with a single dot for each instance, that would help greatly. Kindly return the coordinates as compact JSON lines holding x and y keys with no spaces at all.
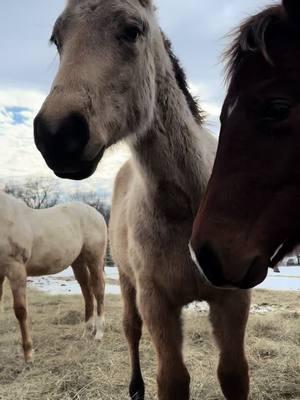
{"x":120,"y":78}
{"x":247,"y":219}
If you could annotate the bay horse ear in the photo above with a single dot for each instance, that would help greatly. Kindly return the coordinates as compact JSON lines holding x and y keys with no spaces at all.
{"x":292,"y":8}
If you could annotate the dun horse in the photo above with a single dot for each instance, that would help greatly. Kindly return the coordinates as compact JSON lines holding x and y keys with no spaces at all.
{"x":249,"y":217}
{"x":119,"y":80}
{"x":45,"y":242}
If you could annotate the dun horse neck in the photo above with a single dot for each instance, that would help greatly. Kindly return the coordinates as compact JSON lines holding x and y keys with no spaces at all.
{"x":171,"y":149}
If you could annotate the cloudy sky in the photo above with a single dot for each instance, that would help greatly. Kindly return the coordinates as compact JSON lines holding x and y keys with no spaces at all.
{"x":197,"y":29}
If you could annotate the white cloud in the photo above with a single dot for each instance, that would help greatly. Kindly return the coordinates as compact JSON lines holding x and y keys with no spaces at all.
{"x":18,"y":154}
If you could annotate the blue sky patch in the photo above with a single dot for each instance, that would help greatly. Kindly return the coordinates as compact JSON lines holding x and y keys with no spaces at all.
{"x":16,"y":112}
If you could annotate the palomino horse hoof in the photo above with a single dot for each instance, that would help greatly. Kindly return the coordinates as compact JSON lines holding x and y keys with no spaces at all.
{"x":99,"y":336}
{"x":89,"y":330}
{"x":29,"y":357}
{"x":100,"y":323}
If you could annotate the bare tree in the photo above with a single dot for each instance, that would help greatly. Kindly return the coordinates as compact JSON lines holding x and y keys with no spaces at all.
{"x":36,"y":193}
{"x":94,"y":200}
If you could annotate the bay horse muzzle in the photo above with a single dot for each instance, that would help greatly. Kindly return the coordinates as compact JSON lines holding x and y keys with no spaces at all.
{"x":211,"y":268}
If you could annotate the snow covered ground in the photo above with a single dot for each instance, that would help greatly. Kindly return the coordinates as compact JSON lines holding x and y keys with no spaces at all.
{"x":64,"y":282}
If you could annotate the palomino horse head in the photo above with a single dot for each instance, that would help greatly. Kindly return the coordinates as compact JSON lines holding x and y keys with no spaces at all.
{"x":251,"y":211}
{"x":104,"y":90}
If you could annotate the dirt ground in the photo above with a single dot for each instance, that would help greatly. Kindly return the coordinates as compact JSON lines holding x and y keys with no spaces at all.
{"x":68,"y":367}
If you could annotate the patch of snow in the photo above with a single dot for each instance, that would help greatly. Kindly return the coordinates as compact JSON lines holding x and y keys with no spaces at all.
{"x":65,"y":283}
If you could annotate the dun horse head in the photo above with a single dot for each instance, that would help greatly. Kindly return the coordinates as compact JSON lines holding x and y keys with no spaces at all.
{"x":104,"y":90}
{"x":250,"y":215}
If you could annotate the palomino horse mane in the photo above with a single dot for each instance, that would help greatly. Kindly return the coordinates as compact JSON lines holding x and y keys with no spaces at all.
{"x":252,"y":37}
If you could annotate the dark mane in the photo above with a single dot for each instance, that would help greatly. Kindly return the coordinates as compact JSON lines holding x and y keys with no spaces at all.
{"x":250,"y":37}
{"x":192,"y":102}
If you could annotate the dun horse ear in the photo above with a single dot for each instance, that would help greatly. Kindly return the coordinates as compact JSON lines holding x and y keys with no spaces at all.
{"x":292,"y":8}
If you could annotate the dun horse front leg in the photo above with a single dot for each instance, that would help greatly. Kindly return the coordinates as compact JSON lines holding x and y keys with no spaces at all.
{"x":163,"y":321}
{"x":132,"y":324}
{"x":229,"y":316}
{"x":17,"y":279}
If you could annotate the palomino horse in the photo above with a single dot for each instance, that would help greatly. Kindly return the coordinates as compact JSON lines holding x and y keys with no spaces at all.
{"x":45,"y":242}
{"x":118,"y":79}
{"x":249,"y":217}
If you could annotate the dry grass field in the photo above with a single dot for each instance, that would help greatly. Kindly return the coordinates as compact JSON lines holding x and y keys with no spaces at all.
{"x":68,"y":367}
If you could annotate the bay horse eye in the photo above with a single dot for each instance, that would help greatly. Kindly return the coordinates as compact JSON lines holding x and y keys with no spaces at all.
{"x":131,"y":33}
{"x":277,"y":110}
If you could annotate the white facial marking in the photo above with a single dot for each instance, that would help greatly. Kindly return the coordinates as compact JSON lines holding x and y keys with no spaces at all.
{"x":277,"y":251}
{"x":232,"y":107}
{"x":194,"y":258}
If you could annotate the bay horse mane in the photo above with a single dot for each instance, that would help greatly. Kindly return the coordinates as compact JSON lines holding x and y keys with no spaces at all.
{"x":192,"y":101}
{"x":251,"y":37}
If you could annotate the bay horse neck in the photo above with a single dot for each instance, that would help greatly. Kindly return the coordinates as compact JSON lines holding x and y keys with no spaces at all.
{"x":171,"y":149}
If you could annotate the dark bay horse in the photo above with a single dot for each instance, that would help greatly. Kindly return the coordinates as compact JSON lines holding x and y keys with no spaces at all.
{"x":119,"y":80}
{"x":249,"y":218}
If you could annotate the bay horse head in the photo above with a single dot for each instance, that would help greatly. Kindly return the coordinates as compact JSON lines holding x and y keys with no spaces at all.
{"x":104,"y":90}
{"x":249,"y":218}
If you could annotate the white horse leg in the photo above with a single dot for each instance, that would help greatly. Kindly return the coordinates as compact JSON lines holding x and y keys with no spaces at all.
{"x":98,"y":286}
{"x":82,"y":275}
{"x":17,"y":279}
{"x":1,"y":292}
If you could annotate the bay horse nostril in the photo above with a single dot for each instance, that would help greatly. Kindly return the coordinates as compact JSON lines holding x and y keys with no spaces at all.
{"x":210,"y":265}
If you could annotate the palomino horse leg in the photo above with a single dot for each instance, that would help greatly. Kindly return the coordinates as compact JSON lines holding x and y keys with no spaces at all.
{"x":1,"y":291}
{"x":229,"y":316}
{"x":98,"y":286}
{"x":163,"y":321}
{"x":17,"y":279}
{"x":82,"y":275}
{"x":132,"y":323}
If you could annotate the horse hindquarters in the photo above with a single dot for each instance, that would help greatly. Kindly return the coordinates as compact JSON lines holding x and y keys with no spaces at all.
{"x":229,"y":315}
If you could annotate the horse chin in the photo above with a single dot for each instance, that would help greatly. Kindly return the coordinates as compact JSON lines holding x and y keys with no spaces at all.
{"x":82,"y":170}
{"x":75,"y":175}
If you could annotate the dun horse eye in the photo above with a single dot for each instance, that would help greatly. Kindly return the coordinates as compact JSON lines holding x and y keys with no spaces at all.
{"x":131,"y":33}
{"x":56,"y":42}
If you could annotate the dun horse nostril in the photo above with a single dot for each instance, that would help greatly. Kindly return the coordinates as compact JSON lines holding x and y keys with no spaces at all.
{"x":72,"y":134}
{"x":61,"y":139}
